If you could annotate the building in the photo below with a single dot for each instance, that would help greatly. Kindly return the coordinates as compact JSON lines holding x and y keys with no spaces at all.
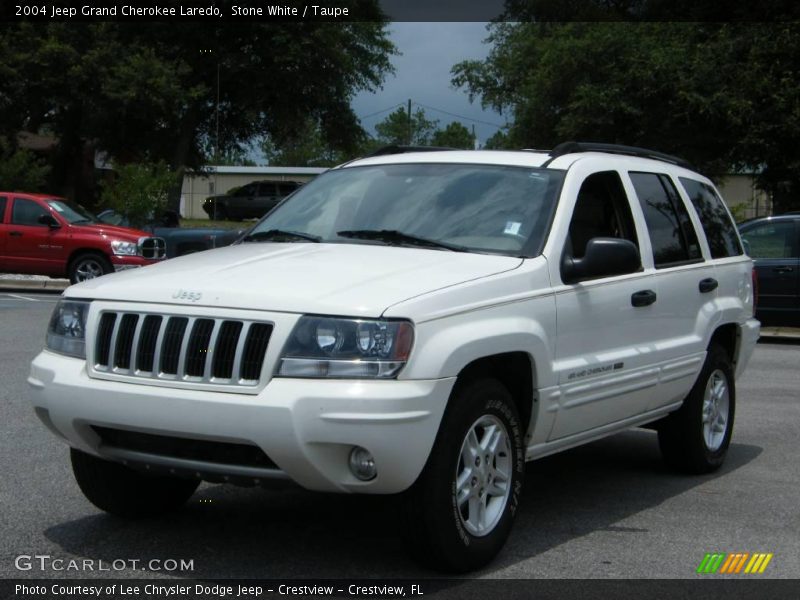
{"x":211,"y":181}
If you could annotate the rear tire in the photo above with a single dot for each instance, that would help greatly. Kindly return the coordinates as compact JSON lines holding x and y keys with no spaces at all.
{"x":459,"y":512}
{"x":88,"y":265}
{"x":121,"y":491}
{"x":696,"y":437}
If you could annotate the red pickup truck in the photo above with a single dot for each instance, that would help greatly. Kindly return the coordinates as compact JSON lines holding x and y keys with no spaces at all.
{"x":45,"y":235}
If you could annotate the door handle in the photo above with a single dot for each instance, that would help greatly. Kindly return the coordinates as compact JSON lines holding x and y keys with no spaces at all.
{"x":14,"y":234}
{"x":708,"y":285}
{"x":782,"y":270}
{"x":643,"y":298}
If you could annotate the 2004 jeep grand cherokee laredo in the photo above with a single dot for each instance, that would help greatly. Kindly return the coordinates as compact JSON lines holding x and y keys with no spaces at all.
{"x":419,"y":323}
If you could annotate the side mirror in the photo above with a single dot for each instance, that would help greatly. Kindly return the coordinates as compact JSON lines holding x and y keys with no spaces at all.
{"x":604,"y":257}
{"x":49,"y":220}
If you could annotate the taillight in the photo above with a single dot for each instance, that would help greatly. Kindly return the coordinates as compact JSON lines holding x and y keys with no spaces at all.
{"x":755,"y":290}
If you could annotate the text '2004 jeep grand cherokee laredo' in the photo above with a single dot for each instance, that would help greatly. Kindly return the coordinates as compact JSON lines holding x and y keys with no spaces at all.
{"x":419,"y":322}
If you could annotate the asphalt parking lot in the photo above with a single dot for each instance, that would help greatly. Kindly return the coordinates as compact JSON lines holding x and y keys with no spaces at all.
{"x":607,"y":510}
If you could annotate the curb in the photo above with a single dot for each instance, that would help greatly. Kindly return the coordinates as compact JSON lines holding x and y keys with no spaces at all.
{"x":50,"y":285}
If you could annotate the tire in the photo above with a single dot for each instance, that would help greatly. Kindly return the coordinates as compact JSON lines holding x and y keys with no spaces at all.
{"x":443,"y":532}
{"x":121,"y":491}
{"x":88,"y":266}
{"x":220,"y":212}
{"x":695,"y":438}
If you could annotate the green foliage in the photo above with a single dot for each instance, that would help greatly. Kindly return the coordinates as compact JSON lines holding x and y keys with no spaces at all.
{"x":498,"y":141}
{"x":306,"y":148}
{"x":723,"y":95}
{"x":455,"y":135}
{"x":395,"y":129}
{"x":21,"y":170}
{"x":139,"y":191}
{"x":153,"y":93}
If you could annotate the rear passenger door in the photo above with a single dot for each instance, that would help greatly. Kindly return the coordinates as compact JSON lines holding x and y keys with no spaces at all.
{"x":3,"y":233}
{"x":686,"y":285}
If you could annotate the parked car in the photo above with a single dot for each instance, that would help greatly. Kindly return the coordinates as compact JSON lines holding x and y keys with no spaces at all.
{"x":46,"y":235}
{"x":251,"y":201}
{"x":774,"y":244}
{"x":179,"y":240}
{"x":419,"y":324}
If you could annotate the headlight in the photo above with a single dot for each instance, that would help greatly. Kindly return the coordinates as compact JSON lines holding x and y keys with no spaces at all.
{"x":124,"y":248}
{"x":346,"y":348}
{"x":66,"y":333}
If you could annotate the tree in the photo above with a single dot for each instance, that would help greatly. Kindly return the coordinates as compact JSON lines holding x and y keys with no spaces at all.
{"x":724,"y":96}
{"x":139,"y":191}
{"x":455,"y":135}
{"x":498,"y":141}
{"x":144,"y":94}
{"x":21,"y":170}
{"x":395,"y":129}
{"x":306,"y":148}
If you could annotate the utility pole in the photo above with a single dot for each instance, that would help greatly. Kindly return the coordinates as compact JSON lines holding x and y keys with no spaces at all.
{"x":474,"y":139}
{"x":409,"y":121}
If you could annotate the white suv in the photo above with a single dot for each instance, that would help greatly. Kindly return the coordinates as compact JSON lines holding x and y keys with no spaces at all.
{"x":419,"y":323}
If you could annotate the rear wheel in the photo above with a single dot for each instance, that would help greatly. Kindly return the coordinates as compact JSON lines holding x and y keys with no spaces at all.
{"x":88,"y":266}
{"x":696,"y":437}
{"x":121,"y":491}
{"x":460,"y":511}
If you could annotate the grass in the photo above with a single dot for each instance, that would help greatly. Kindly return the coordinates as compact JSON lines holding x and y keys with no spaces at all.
{"x":209,"y":223}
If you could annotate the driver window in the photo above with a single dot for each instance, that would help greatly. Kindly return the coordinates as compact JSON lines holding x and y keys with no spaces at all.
{"x":602,"y":210}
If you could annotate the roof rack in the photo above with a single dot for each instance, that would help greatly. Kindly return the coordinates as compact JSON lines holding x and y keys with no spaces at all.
{"x":395,"y":149}
{"x":577,"y":147}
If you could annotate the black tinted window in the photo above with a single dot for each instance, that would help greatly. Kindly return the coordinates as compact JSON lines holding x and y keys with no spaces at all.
{"x":671,"y":233}
{"x":3,"y":203}
{"x":717,"y":224}
{"x":284,"y":189}
{"x":772,"y":240}
{"x":601,"y":210}
{"x":26,"y":212}
{"x":266,"y":189}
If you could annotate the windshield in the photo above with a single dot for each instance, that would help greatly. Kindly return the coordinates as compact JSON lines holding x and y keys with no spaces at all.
{"x":463,"y":207}
{"x":72,"y":211}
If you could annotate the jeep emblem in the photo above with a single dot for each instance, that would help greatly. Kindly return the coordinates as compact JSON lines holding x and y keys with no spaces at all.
{"x":188,"y":295}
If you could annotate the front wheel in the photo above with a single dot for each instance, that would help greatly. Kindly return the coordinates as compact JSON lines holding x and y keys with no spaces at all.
{"x":88,"y":266}
{"x":696,"y":437}
{"x":121,"y":491}
{"x":460,"y":511}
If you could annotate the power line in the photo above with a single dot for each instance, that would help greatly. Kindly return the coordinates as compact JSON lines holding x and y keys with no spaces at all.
{"x":381,"y":111}
{"x":458,"y":116}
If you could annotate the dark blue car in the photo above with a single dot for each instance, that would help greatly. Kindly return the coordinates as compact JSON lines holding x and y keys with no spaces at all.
{"x":774,"y":244}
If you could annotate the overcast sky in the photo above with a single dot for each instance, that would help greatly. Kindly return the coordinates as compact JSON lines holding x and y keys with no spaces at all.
{"x":422,"y":73}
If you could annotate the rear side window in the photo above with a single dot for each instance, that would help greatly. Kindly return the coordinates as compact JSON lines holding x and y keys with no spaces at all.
{"x":26,"y":212}
{"x":717,"y":225}
{"x":266,"y":189}
{"x":672,"y":234}
{"x":3,"y":202}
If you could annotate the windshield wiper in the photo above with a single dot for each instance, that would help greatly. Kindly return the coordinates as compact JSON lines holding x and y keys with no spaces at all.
{"x":393,"y":236}
{"x":271,"y":234}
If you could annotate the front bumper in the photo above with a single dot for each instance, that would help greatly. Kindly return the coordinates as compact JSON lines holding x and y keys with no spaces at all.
{"x":123,"y":262}
{"x":306,"y":427}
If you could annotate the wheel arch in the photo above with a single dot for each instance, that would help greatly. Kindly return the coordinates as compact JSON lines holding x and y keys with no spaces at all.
{"x":515,"y":370}
{"x":728,"y":337}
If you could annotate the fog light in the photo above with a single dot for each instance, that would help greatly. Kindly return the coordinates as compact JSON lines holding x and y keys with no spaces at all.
{"x":362,"y":464}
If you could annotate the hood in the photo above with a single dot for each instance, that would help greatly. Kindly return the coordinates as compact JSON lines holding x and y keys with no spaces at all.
{"x":115,"y":231}
{"x":338,"y":279}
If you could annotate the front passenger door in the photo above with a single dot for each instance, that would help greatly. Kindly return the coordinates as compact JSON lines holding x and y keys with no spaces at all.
{"x":604,"y":326}
{"x":774,"y":247}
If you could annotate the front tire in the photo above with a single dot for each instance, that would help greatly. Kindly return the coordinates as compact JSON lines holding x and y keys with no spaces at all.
{"x":460,"y":511}
{"x":696,"y":437}
{"x":88,"y":266}
{"x":121,"y":491}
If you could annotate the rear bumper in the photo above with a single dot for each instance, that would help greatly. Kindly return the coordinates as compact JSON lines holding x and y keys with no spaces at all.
{"x":306,"y":427}
{"x":750,"y":332}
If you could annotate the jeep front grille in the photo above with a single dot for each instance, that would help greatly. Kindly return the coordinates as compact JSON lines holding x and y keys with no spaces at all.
{"x":152,"y":247}
{"x":181,"y":348}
